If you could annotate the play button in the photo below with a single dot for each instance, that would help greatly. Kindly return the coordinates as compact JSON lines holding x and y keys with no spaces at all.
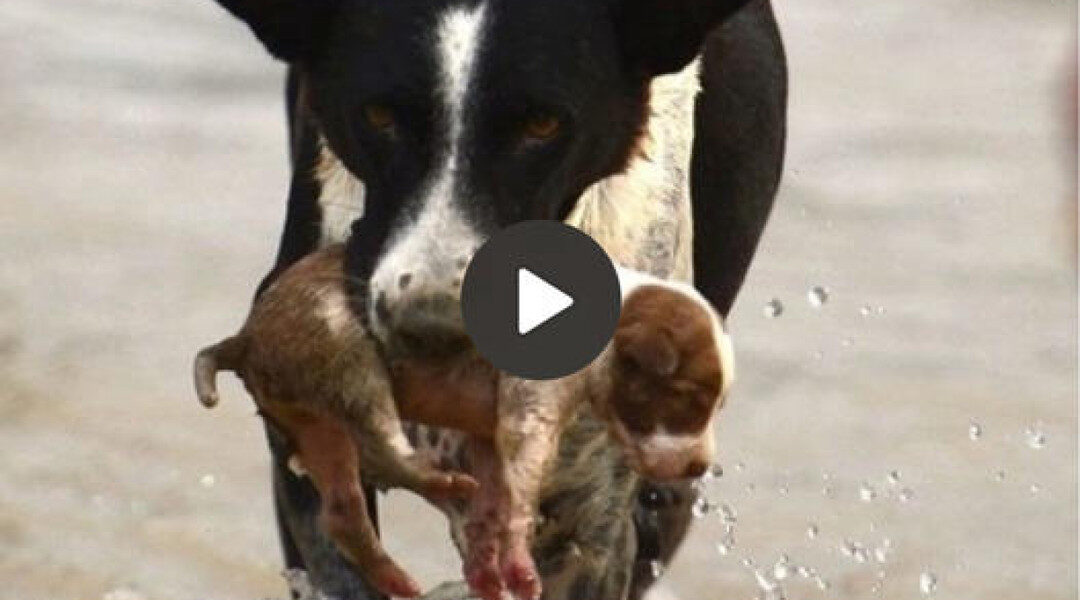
{"x":540,"y":299}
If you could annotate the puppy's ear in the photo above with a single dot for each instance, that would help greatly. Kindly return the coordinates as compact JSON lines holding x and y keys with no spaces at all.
{"x":288,"y":28}
{"x":663,"y":36}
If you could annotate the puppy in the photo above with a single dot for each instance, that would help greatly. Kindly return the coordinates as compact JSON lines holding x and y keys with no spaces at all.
{"x":314,"y":372}
{"x":657,"y":386}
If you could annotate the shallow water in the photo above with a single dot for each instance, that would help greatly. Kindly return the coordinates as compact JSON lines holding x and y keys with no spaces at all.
{"x":144,"y":174}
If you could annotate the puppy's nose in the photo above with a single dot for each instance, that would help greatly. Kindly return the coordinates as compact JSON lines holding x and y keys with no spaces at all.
{"x":429,"y":327}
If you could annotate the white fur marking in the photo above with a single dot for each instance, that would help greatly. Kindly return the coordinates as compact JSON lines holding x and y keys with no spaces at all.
{"x":440,"y":234}
{"x":341,"y":197}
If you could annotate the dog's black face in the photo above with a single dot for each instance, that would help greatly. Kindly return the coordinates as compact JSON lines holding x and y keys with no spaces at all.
{"x":463,"y":116}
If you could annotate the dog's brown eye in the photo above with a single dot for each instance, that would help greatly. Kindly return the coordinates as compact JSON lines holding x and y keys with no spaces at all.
{"x":542,"y":127}
{"x":379,"y":117}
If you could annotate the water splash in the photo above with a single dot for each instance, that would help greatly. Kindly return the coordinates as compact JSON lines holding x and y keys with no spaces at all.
{"x":301,"y":587}
{"x":656,"y":567}
{"x":1035,"y":438}
{"x":893,"y":477}
{"x":975,"y":431}
{"x":818,"y":296}
{"x":773,"y":308}
{"x":928,"y":583}
{"x":867,"y":493}
{"x":701,"y":508}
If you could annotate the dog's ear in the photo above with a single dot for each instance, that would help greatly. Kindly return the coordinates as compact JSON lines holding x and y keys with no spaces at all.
{"x":663,"y":36}
{"x":288,"y":28}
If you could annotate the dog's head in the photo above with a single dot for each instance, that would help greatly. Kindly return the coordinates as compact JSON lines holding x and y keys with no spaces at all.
{"x":461,"y":117}
{"x":672,"y":365}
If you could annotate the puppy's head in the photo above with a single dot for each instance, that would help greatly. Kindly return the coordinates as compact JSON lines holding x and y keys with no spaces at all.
{"x":672,"y":366}
{"x":461,"y":117}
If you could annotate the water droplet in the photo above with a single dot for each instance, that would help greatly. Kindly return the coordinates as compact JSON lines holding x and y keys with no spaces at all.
{"x":727,"y":514}
{"x":773,"y":308}
{"x":1035,"y":488}
{"x":999,"y":476}
{"x":974,"y":431}
{"x":783,"y":490}
{"x":867,"y":493}
{"x":893,"y":477}
{"x":657,"y":568}
{"x":828,"y":491}
{"x":715,"y":472}
{"x":847,"y":342}
{"x":740,"y":466}
{"x":782,"y":569}
{"x":866,"y":311}
{"x":927,"y":583}
{"x":701,"y":508}
{"x":724,"y":546}
{"x":1036,"y":439}
{"x":765,"y":582}
{"x":855,"y":551}
{"x":817,"y":296}
{"x":748,"y":562}
{"x":821,"y":583}
{"x":207,"y":481}
{"x":750,"y":489}
{"x":882,"y":552}
{"x":805,"y":572}
{"x":906,"y":495}
{"x":812,"y":531}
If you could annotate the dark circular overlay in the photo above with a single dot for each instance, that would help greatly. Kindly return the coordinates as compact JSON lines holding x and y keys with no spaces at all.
{"x":563,"y":257}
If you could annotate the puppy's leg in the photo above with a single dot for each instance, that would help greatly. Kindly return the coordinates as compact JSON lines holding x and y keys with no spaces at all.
{"x":328,"y":452}
{"x":387,"y":453}
{"x":531,"y":417}
{"x":485,"y":521}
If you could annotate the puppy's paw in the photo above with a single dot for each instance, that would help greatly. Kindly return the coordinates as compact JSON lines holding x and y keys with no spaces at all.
{"x":519,"y":571}
{"x":482,"y":573}
{"x":441,"y":486}
{"x":391,"y":579}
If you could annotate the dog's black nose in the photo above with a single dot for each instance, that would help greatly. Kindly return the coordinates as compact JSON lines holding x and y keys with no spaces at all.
{"x":429,"y":327}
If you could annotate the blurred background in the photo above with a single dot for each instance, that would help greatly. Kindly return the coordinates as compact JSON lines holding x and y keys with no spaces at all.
{"x":904,"y":423}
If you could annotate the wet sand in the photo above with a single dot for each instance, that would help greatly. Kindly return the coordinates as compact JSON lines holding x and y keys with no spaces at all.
{"x":143,"y":180}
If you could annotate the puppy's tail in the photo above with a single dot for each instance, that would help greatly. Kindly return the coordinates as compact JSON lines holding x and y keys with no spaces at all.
{"x":225,"y":355}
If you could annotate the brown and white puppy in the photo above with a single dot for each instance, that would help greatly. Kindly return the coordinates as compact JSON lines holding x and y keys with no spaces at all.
{"x":657,"y":386}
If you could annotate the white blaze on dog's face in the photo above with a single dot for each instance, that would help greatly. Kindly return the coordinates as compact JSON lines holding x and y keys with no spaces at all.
{"x":673,"y":365}
{"x":426,"y":256}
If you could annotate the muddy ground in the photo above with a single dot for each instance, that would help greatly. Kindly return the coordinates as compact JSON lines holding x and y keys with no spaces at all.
{"x":142,"y":178}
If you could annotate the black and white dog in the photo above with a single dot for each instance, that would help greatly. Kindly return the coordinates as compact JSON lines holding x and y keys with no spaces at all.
{"x":421,"y":127}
